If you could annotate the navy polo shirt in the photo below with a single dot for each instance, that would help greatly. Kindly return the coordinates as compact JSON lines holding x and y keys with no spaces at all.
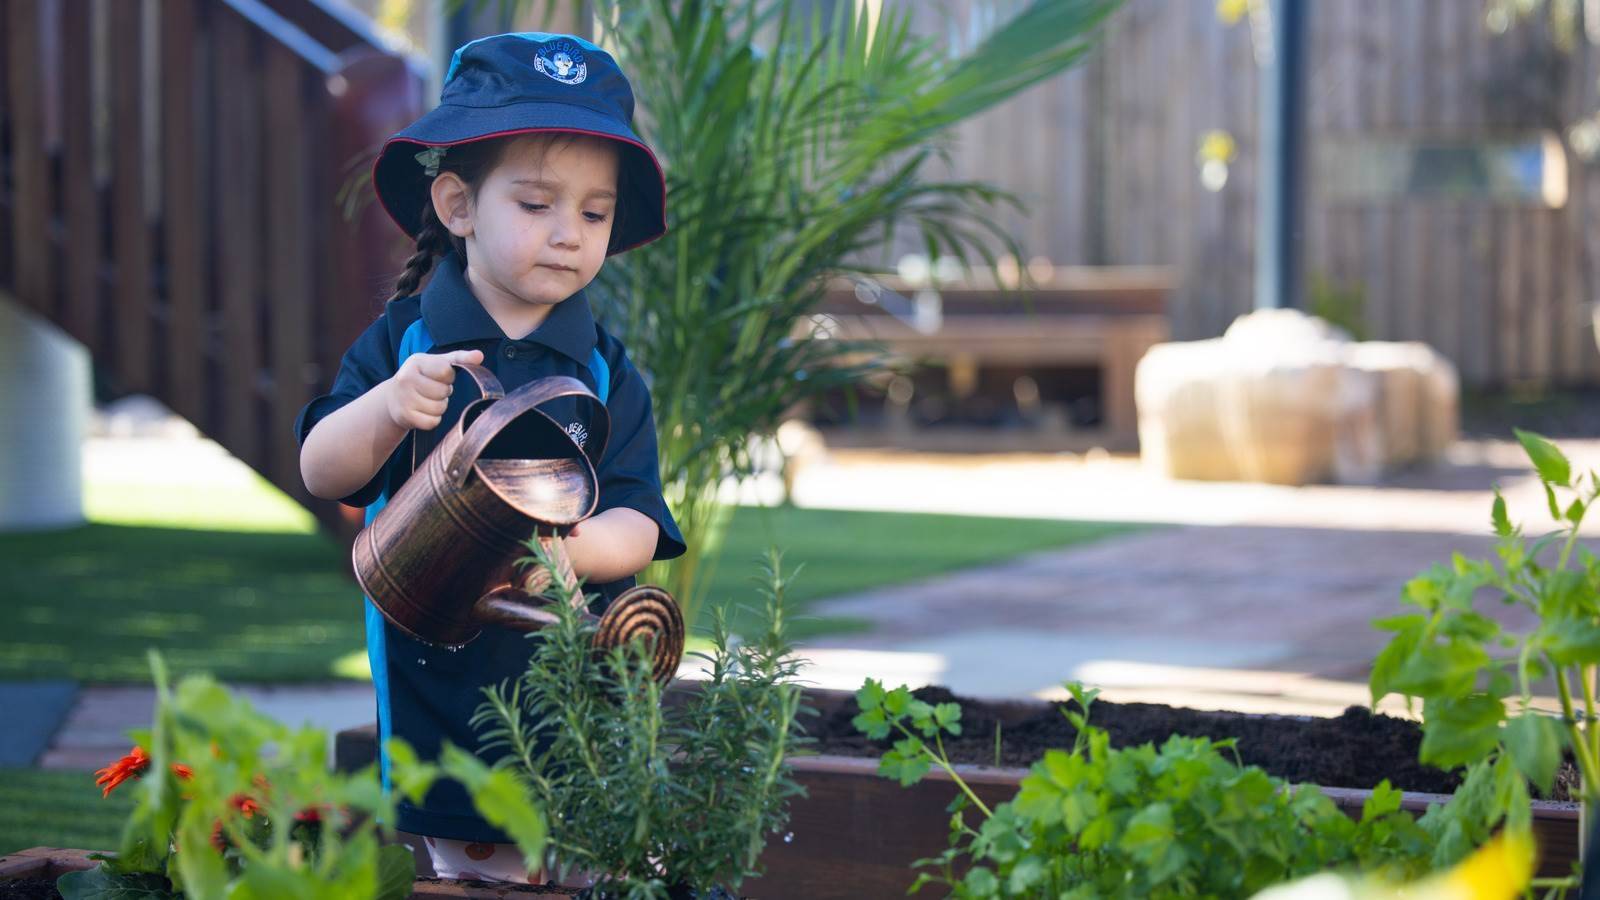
{"x":432,"y":692}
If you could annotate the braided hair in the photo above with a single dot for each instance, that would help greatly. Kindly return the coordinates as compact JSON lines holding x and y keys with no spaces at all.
{"x":472,"y":163}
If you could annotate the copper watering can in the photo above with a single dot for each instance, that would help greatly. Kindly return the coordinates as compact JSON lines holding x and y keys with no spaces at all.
{"x":439,"y":561}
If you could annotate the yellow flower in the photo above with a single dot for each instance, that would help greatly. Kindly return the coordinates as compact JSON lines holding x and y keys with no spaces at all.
{"x":1231,"y":11}
{"x":1499,"y":870}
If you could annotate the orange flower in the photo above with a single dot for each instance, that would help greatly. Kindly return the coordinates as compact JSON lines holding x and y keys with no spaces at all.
{"x":130,"y":766}
{"x":182,"y":771}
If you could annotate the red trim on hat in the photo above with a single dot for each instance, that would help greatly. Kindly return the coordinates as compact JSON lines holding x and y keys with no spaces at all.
{"x":660,"y":176}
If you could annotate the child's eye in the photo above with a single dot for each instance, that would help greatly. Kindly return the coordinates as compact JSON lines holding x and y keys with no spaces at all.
{"x":532,"y":207}
{"x":595,"y":217}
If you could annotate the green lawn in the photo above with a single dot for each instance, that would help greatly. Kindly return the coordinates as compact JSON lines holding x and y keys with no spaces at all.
{"x":846,"y":551}
{"x":236,"y":581}
{"x":75,"y":816}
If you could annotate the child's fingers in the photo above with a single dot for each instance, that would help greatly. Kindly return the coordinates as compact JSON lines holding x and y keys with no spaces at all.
{"x":436,"y":367}
{"x":421,"y":421}
{"x":468,"y":357}
{"x":433,"y":390}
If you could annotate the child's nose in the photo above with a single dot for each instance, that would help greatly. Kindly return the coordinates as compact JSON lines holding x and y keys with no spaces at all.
{"x":565,"y":232}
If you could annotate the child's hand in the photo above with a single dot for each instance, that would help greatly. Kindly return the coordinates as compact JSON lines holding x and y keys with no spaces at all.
{"x":419,"y":393}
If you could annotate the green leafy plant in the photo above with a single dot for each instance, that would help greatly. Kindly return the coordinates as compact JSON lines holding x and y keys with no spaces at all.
{"x":1181,"y":820}
{"x":1475,"y":677}
{"x":657,"y":796}
{"x":795,"y":146}
{"x":233,"y":804}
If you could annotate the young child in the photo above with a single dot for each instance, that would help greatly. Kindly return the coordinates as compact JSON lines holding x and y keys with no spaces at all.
{"x":516,"y":187}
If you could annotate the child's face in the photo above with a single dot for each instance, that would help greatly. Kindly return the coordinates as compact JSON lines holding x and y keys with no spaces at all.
{"x":538,"y":229}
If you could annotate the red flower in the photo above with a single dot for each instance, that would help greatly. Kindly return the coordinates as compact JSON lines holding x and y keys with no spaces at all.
{"x":130,"y":766}
{"x":311,"y":815}
{"x":182,"y":771}
{"x":245,"y":804}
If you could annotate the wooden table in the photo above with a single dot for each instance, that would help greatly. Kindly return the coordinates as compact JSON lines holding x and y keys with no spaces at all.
{"x":1105,"y":318}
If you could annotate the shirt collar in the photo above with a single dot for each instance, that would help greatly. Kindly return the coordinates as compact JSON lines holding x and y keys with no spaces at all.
{"x":454,"y":316}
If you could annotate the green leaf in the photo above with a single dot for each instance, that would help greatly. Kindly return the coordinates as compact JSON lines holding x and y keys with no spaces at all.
{"x":1502,"y":522}
{"x":1551,"y":464}
{"x":906,"y":763}
{"x":1148,"y":836}
{"x":410,"y":777}
{"x":1024,"y":875}
{"x":1389,"y":661}
{"x":1551,"y":502}
{"x":501,"y":798}
{"x":1570,"y":641}
{"x":898,"y":702}
{"x":948,"y":716}
{"x":397,"y":872}
{"x":981,"y":882}
{"x":100,"y":883}
{"x":1441,"y":668}
{"x":1535,"y":743}
{"x":1383,"y":800}
{"x":1457,"y":731}
{"x":871,"y":695}
{"x":872,"y":723}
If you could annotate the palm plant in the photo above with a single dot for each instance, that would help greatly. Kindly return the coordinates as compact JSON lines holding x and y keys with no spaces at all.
{"x":795,"y":147}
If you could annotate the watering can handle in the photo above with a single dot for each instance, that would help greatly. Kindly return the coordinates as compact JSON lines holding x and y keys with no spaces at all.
{"x":488,"y":386}
{"x":538,"y":579}
{"x":505,"y":410}
{"x":521,"y":606}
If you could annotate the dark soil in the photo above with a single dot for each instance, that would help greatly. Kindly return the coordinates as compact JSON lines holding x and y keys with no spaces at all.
{"x":29,"y":889}
{"x":1355,"y":750}
{"x":510,"y":890}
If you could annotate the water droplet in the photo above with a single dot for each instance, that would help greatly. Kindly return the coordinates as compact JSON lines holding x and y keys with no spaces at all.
{"x":788,"y":838}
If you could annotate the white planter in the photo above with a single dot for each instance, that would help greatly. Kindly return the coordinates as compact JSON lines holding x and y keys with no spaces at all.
{"x":45,"y":400}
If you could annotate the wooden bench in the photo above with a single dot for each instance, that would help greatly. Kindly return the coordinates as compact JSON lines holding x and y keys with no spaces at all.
{"x":1098,"y":318}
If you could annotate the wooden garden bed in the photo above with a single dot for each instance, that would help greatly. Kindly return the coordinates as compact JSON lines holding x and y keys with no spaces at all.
{"x":857,"y":833}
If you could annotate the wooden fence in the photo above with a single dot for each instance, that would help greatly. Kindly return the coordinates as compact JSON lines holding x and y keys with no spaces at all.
{"x":1106,"y":157}
{"x":168,"y":175}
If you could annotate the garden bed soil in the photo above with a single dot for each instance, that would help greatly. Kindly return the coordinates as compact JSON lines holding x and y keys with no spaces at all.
{"x":28,"y":889}
{"x":1357,"y":749}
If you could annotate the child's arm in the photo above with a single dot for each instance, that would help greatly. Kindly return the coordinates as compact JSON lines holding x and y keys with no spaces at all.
{"x":613,"y":544}
{"x":347,"y":448}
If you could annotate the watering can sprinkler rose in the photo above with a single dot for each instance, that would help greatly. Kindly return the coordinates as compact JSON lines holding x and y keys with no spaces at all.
{"x":440,"y":560}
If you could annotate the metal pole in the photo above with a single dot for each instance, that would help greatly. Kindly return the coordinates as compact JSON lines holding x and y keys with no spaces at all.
{"x":1280,"y":201}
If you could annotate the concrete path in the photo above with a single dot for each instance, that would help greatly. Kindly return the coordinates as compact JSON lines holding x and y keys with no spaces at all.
{"x":1262,"y":601}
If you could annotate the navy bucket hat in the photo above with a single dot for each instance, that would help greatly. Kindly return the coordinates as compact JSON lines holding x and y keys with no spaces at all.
{"x":519,"y":83}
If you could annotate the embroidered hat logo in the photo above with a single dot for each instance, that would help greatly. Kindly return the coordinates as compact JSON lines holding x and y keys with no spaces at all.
{"x":563,"y":61}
